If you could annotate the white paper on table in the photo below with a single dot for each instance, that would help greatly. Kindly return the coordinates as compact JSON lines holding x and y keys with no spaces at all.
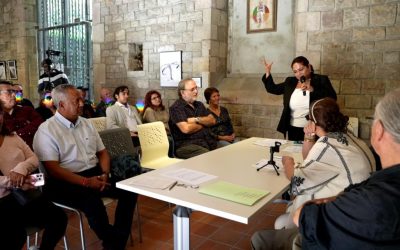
{"x":269,"y":142}
{"x":189,"y":176}
{"x":264,"y":162}
{"x":152,"y":182}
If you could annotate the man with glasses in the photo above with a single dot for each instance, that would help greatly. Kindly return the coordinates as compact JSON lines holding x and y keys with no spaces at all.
{"x":19,"y":96}
{"x":189,"y":122}
{"x":22,"y":120}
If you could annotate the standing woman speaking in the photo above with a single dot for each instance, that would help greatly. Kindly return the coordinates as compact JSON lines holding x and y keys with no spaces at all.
{"x":298,"y":92}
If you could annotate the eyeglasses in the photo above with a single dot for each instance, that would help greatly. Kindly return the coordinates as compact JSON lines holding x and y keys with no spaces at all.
{"x":193,"y":89}
{"x":187,"y":186}
{"x":8,"y":92}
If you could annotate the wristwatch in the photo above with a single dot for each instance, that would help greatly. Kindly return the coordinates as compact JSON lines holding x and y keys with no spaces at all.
{"x":197,"y":119}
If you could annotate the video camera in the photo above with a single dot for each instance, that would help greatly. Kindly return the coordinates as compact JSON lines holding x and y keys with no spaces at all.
{"x":51,"y":52}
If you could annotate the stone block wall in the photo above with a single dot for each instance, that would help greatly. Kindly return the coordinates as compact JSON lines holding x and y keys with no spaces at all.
{"x":356,"y":43}
{"x":18,"y":20}
{"x":198,"y":28}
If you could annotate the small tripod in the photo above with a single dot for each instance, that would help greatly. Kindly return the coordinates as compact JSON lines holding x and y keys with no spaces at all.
{"x":271,"y":161}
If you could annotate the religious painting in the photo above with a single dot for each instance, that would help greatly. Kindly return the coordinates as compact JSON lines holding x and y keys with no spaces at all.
{"x":261,"y":15}
{"x":170,"y":68}
{"x":12,"y":70}
{"x":3,"y":75}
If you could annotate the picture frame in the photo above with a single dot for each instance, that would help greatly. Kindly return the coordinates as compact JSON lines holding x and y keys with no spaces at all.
{"x":261,"y":15}
{"x":3,"y":73}
{"x":12,"y":69}
{"x":170,"y":68}
{"x":198,"y":81}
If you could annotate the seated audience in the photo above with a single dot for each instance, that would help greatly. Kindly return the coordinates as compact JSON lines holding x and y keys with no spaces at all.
{"x":24,"y":121}
{"x":78,"y":166}
{"x":223,"y":129}
{"x":366,"y":215}
{"x":123,"y":115}
{"x":19,"y":96}
{"x":46,"y":107}
{"x":105,"y":102}
{"x":189,"y":122}
{"x":17,"y":162}
{"x":154,"y":110}
{"x":333,"y":162}
{"x":88,"y":111}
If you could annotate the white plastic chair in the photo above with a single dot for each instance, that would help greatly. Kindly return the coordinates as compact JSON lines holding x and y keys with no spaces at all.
{"x":99,"y":123}
{"x":154,"y":144}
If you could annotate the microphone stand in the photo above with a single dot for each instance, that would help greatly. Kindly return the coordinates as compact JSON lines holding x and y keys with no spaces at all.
{"x":271,"y":161}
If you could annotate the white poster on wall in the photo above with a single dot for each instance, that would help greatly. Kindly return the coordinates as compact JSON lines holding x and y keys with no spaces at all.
{"x":170,"y":68}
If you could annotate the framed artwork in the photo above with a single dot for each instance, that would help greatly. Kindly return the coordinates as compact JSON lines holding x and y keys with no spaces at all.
{"x":261,"y":15}
{"x":12,"y":70}
{"x":170,"y":68}
{"x":198,"y":81}
{"x":3,"y":75}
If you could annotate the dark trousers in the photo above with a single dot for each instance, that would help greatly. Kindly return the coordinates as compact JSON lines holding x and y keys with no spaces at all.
{"x":39,"y":213}
{"x":89,"y":201}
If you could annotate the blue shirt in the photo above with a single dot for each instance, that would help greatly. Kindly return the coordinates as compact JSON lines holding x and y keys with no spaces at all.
{"x":74,"y":146}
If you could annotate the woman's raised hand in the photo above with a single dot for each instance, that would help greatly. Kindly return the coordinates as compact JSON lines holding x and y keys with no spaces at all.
{"x":267,"y":66}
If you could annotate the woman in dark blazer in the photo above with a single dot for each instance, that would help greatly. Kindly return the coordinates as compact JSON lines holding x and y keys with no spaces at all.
{"x":298,"y":92}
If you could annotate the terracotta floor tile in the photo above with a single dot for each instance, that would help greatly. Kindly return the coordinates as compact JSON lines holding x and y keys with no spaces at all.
{"x":207,"y":231}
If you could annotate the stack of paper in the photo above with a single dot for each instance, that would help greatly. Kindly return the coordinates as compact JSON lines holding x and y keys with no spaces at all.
{"x":269,"y":142}
{"x":152,"y":182}
{"x":232,"y":192}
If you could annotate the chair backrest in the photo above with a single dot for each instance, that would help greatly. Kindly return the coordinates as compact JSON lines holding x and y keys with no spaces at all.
{"x":99,"y":123}
{"x":153,"y":141}
{"x":117,"y":141}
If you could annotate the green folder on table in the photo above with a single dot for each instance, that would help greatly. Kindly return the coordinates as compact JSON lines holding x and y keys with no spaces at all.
{"x":232,"y":192}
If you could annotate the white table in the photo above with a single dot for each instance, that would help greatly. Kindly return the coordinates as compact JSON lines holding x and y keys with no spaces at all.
{"x":232,"y":164}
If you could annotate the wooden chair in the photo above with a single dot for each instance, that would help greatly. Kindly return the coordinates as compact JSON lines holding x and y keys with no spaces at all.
{"x":154,"y":145}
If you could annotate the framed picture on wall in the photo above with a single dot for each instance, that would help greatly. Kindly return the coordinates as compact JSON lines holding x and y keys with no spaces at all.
{"x":170,"y":68}
{"x":3,"y":75}
{"x":198,"y":81}
{"x":261,"y":15}
{"x":12,"y":70}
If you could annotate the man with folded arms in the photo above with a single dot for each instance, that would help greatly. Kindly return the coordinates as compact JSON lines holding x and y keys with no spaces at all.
{"x":190,"y":121}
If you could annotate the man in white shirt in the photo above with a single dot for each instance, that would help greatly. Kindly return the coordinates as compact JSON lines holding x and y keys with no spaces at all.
{"x":123,"y":115}
{"x":78,"y":166}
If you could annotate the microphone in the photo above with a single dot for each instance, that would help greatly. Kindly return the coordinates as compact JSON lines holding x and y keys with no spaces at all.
{"x":303,"y":80}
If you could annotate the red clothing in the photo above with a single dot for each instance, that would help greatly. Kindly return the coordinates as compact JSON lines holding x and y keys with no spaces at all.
{"x":24,"y":121}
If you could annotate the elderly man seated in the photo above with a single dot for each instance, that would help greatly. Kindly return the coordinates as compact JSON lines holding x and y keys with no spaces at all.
{"x":78,"y":166}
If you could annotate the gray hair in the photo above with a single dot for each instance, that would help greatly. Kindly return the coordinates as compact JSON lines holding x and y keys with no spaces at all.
{"x":60,"y":92}
{"x":387,"y":111}
{"x":182,"y":84}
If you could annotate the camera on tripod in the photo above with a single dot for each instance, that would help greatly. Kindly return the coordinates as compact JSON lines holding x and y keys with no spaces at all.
{"x":50,"y":52}
{"x":275,"y":149}
{"x":272,"y":150}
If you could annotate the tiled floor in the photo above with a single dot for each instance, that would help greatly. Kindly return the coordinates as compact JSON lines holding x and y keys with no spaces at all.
{"x":207,"y":231}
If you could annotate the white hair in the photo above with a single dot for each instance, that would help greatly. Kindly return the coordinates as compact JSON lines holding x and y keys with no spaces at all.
{"x":59,"y":93}
{"x":388,"y":112}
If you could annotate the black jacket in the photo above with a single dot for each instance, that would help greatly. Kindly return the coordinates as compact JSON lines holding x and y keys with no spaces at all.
{"x":322,"y":88}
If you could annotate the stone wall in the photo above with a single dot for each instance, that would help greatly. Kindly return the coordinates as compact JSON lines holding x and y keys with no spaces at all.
{"x":355,"y":43}
{"x":198,"y":28}
{"x":18,"y":41}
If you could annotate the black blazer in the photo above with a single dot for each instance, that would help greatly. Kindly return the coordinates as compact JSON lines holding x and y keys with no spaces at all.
{"x":322,"y":88}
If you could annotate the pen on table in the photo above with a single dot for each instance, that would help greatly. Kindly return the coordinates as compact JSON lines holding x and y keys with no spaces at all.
{"x":173,"y":185}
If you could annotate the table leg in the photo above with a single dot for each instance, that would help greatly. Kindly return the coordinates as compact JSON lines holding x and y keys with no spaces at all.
{"x":182,"y":228}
